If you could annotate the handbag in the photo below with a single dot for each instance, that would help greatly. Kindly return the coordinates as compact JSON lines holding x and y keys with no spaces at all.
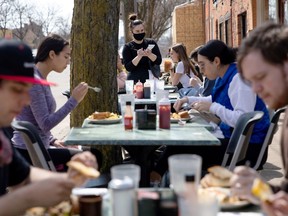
{"x":155,"y":69}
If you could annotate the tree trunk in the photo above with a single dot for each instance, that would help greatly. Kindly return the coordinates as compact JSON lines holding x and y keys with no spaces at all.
{"x":128,"y":9}
{"x":94,"y":43}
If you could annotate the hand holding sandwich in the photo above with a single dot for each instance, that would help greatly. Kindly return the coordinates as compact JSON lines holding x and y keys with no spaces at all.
{"x":82,"y":167}
{"x":277,"y":205}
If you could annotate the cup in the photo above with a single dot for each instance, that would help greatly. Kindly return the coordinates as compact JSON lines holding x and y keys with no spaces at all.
{"x":160,"y":85}
{"x":123,"y":99}
{"x":90,"y":205}
{"x":206,"y":205}
{"x":129,"y":86}
{"x":131,"y":171}
{"x":182,"y":165}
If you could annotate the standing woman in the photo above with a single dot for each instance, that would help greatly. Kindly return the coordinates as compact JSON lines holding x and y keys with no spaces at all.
{"x":184,"y":70}
{"x":137,"y":57}
{"x":53,"y":55}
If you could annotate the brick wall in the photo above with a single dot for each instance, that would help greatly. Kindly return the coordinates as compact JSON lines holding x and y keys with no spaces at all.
{"x":187,"y":25}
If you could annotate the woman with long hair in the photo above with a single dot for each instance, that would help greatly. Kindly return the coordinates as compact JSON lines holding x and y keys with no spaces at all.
{"x":53,"y":55}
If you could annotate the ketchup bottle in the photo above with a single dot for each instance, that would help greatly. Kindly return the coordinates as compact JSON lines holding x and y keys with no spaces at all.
{"x":164,"y":113}
{"x":128,"y":117}
{"x":139,"y":90}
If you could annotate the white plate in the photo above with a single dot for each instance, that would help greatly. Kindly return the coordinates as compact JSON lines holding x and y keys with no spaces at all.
{"x":104,"y":121}
{"x":172,"y":120}
{"x":219,"y":191}
{"x":234,"y":206}
{"x":89,"y":191}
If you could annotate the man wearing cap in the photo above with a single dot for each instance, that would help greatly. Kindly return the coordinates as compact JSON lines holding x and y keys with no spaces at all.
{"x":28,"y":186}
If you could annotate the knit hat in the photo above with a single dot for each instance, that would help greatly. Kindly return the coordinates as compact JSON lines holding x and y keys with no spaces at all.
{"x":17,"y":63}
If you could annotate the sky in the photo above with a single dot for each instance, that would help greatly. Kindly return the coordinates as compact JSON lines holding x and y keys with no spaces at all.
{"x":65,"y":7}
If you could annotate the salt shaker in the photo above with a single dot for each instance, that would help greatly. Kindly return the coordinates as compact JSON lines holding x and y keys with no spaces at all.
{"x":123,"y":196}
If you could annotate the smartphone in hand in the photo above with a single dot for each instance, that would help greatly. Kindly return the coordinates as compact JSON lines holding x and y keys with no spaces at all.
{"x":150,"y":46}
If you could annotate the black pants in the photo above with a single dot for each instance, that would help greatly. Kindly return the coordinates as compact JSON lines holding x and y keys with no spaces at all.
{"x":60,"y":156}
{"x":211,"y":155}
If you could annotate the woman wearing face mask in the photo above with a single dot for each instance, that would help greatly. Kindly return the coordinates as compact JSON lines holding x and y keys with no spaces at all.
{"x":137,"y":57}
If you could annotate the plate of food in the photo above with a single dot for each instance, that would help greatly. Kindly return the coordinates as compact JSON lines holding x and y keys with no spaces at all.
{"x":183,"y":116}
{"x":226,"y":200}
{"x":104,"y":118}
{"x":217,"y":183}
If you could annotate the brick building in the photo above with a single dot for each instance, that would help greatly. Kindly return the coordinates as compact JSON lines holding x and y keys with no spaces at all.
{"x":198,"y":21}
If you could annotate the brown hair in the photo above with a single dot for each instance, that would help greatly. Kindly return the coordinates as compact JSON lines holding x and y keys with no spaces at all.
{"x":180,"y":49}
{"x":271,"y":39}
{"x":134,"y":21}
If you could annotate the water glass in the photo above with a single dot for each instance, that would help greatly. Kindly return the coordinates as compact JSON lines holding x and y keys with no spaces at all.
{"x":160,"y":85}
{"x":129,"y":86}
{"x":131,"y":171}
{"x":182,"y":165}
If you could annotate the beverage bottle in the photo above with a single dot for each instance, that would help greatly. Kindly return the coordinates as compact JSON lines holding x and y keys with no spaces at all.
{"x":139,"y":90}
{"x":164,"y":113}
{"x":147,"y":90}
{"x":128,"y":117}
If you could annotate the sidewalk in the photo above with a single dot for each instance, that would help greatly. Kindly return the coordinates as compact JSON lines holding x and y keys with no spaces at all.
{"x":272,"y":171}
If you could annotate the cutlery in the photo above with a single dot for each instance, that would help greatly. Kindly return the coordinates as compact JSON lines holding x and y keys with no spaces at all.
{"x":96,"y":89}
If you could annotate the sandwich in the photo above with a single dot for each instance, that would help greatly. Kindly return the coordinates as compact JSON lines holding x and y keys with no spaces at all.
{"x":218,"y":176}
{"x":184,"y":114}
{"x":88,"y":172}
{"x":100,"y":115}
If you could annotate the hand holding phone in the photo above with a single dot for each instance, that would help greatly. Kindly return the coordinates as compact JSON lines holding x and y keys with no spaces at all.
{"x":150,"y":46}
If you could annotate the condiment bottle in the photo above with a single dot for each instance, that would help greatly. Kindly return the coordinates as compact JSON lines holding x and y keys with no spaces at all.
{"x":147,"y":90}
{"x":164,"y":113}
{"x":128,"y":117}
{"x":123,"y":197}
{"x":139,"y":90}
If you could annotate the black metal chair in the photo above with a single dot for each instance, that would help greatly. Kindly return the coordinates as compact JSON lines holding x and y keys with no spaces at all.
{"x":38,"y":153}
{"x":269,"y":136}
{"x":240,"y":138}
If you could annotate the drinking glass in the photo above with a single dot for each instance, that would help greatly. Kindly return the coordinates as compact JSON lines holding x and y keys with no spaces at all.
{"x":129,"y":86}
{"x":160,"y":85}
{"x":131,"y":171}
{"x":182,"y":165}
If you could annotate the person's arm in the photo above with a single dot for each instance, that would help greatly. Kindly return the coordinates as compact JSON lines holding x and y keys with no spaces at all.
{"x":155,"y":55}
{"x":42,"y":112}
{"x":130,"y":57}
{"x":48,"y":192}
{"x":179,"y":71}
{"x":242,"y":98}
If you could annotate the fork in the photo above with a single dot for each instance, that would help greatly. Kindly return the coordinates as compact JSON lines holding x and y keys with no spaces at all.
{"x":96,"y":89}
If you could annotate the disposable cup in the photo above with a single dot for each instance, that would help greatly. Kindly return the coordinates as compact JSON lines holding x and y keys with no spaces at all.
{"x":131,"y":171}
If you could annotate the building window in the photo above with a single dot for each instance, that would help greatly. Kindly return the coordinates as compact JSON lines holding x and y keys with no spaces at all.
{"x":286,"y":12}
{"x":273,"y":10}
{"x":242,"y":26}
{"x":221,"y":31}
{"x":228,"y":35}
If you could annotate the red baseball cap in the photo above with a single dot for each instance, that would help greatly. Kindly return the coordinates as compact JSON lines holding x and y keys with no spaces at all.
{"x":17,"y":63}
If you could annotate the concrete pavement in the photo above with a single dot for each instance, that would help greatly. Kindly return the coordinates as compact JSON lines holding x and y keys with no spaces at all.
{"x":272,"y":171}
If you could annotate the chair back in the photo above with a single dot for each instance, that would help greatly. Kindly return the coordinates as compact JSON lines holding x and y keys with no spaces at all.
{"x":240,"y":138}
{"x":270,"y":134}
{"x":38,"y":153}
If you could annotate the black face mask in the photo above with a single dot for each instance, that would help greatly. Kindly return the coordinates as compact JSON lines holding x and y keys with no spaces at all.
{"x":139,"y":37}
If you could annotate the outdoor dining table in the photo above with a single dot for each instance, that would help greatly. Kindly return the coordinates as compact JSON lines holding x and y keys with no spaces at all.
{"x":141,"y":143}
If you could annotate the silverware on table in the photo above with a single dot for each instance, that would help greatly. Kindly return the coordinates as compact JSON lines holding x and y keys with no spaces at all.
{"x":96,"y":89}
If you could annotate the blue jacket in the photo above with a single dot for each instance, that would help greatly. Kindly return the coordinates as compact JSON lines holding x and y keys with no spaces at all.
{"x":220,"y":95}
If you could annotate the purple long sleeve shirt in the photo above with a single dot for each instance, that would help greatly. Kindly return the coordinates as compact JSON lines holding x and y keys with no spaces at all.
{"x":41,"y":113}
